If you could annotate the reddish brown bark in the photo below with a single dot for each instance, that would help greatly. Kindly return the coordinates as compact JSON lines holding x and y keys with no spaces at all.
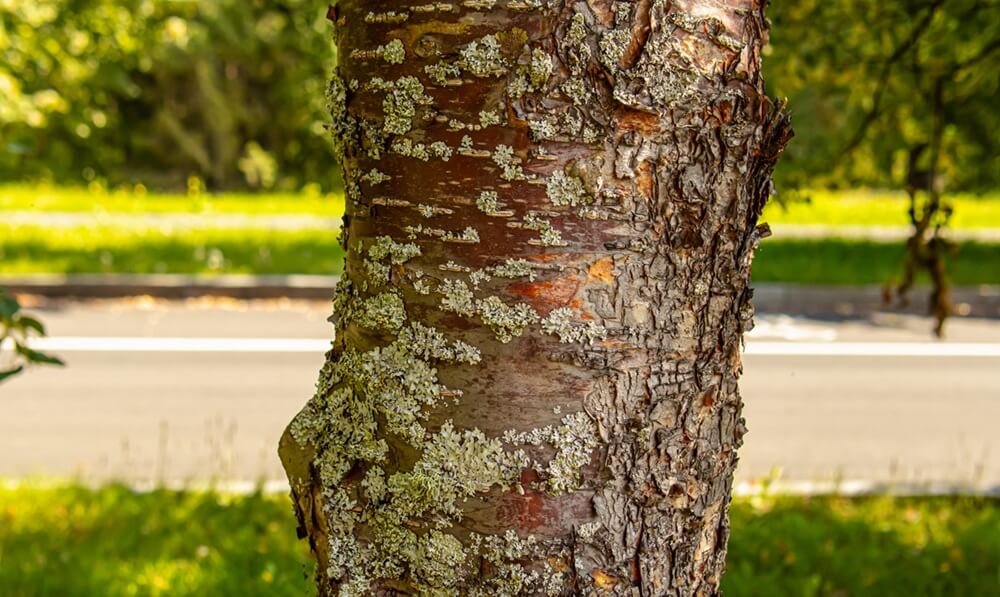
{"x":619,"y":153}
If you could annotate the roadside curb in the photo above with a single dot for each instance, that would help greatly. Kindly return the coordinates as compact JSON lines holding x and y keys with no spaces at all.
{"x":846,"y":301}
{"x":171,"y":286}
{"x":977,"y":301}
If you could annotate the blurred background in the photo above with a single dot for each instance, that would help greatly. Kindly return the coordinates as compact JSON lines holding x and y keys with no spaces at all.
{"x":169,"y":213}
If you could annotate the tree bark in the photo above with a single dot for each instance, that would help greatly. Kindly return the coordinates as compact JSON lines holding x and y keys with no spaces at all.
{"x":551,"y":219}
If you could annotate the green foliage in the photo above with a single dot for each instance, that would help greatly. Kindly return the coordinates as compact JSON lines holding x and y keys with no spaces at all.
{"x":860,"y":77}
{"x":231,"y":91}
{"x":16,"y":330}
{"x":113,"y":541}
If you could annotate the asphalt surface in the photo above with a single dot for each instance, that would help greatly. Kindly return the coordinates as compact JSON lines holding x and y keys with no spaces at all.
{"x":854,"y":399}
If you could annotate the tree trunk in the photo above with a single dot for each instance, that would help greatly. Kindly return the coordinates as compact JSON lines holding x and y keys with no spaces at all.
{"x":552,"y":211}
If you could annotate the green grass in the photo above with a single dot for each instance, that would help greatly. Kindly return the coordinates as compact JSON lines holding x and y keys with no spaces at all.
{"x":109,"y":249}
{"x":878,"y":208}
{"x":72,"y":541}
{"x":832,"y":208}
{"x":856,"y":262}
{"x":136,"y":200}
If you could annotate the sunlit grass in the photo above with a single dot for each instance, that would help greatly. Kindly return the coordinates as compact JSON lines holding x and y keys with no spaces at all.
{"x":59,"y":541}
{"x":877,"y":208}
{"x":110,"y":249}
{"x":832,"y":208}
{"x":41,"y":198}
{"x":856,"y":262}
{"x":26,"y":249}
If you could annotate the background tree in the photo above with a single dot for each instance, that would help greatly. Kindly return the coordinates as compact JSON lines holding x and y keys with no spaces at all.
{"x":894,"y":94}
{"x":551,"y":221}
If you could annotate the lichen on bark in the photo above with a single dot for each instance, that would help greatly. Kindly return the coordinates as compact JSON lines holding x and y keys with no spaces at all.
{"x":552,"y":212}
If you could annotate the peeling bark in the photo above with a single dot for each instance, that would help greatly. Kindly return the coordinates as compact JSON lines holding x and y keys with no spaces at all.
{"x":551,"y":220}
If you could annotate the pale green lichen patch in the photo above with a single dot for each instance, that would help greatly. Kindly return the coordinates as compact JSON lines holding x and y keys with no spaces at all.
{"x":442,"y":73}
{"x":392,"y":52}
{"x":406,"y":147}
{"x":402,"y":101}
{"x":574,"y":441}
{"x":613,"y":46}
{"x":560,"y":322}
{"x":384,"y":313}
{"x":457,"y":297}
{"x":386,"y":17}
{"x":375,"y":177}
{"x":506,"y":321}
{"x":548,"y":235}
{"x":483,"y":57}
{"x":468,"y":236}
{"x":429,"y":343}
{"x":566,"y":190}
{"x":540,"y":69}
{"x":383,"y":253}
{"x":488,"y":118}
{"x":510,"y":165}
{"x":513,"y":269}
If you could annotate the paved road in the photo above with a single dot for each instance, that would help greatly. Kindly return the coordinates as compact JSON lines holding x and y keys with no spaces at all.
{"x":859,"y":405}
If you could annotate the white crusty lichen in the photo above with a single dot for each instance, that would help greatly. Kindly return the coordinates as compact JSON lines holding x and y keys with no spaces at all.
{"x":560,"y":322}
{"x":566,"y":190}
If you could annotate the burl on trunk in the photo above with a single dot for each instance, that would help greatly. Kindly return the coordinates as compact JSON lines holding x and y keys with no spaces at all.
{"x":552,"y":212}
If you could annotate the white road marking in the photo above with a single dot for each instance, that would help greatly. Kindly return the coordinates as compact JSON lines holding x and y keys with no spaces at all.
{"x":84,"y":344}
{"x":309,"y":345}
{"x":874,"y":349}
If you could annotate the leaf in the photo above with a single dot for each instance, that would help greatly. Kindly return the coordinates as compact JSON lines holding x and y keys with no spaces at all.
{"x":24,"y":323}
{"x":4,"y":375}
{"x":34,"y":356}
{"x":8,"y":306}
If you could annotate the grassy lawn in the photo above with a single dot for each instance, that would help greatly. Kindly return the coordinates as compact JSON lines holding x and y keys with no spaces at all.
{"x":878,"y":208}
{"x":108,"y":249}
{"x":852,"y":262}
{"x":70,"y":199}
{"x":73,"y":541}
{"x":832,"y":208}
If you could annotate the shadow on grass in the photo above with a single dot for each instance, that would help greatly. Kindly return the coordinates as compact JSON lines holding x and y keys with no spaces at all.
{"x":839,"y":261}
{"x":252,"y":252}
{"x":866,"y":546}
{"x":79,"y":542}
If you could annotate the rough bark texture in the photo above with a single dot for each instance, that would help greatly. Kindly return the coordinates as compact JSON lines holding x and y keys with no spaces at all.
{"x":552,"y":215}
